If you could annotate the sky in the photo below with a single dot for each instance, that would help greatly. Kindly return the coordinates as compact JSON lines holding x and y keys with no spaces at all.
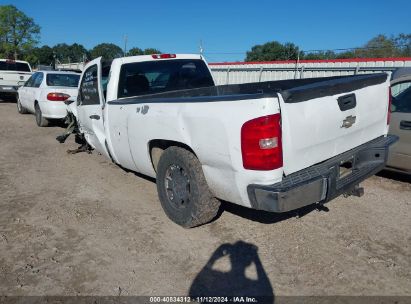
{"x":227,"y":29}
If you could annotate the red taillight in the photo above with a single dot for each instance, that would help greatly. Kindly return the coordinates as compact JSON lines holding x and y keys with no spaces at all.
{"x":57,"y":96}
{"x":261,"y":143}
{"x":163,"y":56}
{"x":389,"y":106}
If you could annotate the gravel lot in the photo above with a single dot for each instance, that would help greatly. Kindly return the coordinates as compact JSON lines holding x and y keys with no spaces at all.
{"x":80,"y":225}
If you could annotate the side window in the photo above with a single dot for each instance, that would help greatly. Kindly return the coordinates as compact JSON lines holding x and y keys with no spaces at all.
{"x":29,"y":83}
{"x":88,"y":94}
{"x":399,"y":87}
{"x":401,"y":99}
{"x":38,"y":80}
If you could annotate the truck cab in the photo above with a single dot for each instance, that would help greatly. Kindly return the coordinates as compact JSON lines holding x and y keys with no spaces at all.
{"x":133,"y":76}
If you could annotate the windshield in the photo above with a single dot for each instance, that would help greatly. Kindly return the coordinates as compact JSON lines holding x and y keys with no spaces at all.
{"x":14,"y":66}
{"x":62,"y":80}
{"x":141,"y":78}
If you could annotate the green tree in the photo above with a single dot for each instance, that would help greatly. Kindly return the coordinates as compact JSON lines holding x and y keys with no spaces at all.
{"x":107,"y":50}
{"x":70,"y":53}
{"x":378,"y":47}
{"x":18,"y":32}
{"x":61,"y":50}
{"x":273,"y":50}
{"x":40,"y":55}
{"x":150,"y":51}
{"x":135,"y":51}
{"x":403,"y":44}
{"x":345,"y":55}
{"x":78,"y":53}
{"x":320,"y":55}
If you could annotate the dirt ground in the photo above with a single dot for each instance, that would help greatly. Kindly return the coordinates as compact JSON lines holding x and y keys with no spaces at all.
{"x":80,"y":225}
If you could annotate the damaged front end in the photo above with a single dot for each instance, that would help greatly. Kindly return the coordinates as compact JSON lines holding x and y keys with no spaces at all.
{"x":72,"y":128}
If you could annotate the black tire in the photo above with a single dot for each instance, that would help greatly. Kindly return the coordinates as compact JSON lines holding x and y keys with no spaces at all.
{"x":40,"y":120}
{"x":20,"y":108}
{"x":183,"y":190}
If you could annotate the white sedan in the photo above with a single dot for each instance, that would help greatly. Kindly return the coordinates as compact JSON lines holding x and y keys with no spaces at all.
{"x":44,"y":95}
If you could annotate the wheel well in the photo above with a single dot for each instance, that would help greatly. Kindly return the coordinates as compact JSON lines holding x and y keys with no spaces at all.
{"x":156,"y":147}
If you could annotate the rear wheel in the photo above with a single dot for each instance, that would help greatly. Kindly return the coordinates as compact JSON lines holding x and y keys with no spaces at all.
{"x":20,"y":108}
{"x":40,"y":120}
{"x":183,"y":190}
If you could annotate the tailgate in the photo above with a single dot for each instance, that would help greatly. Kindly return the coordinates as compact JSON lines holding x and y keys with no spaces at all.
{"x":13,"y":78}
{"x":327,"y":118}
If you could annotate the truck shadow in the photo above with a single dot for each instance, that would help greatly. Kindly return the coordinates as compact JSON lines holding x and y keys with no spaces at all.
{"x":260,"y":216}
{"x":8,"y":99}
{"x":265,"y":217}
{"x":233,"y":270}
{"x":401,"y":177}
{"x":57,"y":123}
{"x":147,"y":178}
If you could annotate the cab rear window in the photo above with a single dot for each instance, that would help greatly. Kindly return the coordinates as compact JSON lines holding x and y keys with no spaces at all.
{"x":142,"y":78}
{"x":14,"y":66}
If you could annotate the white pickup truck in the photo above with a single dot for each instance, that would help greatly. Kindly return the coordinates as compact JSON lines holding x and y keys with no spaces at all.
{"x":274,"y":146}
{"x":13,"y":74}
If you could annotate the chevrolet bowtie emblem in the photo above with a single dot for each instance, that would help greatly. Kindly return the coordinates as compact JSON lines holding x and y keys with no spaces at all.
{"x":348,"y":121}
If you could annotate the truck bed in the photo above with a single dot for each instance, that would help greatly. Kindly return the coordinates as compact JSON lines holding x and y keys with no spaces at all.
{"x":313,"y":112}
{"x":292,"y":91}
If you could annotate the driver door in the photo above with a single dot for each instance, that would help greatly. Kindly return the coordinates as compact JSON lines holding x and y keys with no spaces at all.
{"x":400,"y":125}
{"x":90,"y":105}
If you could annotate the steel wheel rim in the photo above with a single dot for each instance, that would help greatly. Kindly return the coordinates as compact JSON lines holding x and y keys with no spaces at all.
{"x":177,"y":186}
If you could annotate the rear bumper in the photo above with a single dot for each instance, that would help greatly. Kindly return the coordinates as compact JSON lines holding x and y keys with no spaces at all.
{"x":8,"y":89}
{"x":322,"y":182}
{"x":53,"y":109}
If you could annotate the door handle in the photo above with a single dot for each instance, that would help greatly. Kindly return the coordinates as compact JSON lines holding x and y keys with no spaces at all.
{"x":96,"y":117}
{"x":347,"y":102}
{"x":405,"y":125}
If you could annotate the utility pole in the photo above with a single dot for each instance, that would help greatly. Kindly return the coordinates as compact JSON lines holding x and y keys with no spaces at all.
{"x":54,"y":60}
{"x":125,"y":45}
